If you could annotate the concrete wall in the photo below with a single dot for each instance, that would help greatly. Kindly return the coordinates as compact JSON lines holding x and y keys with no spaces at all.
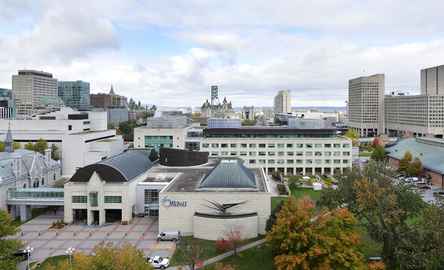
{"x":216,"y":228}
{"x":182,"y":218}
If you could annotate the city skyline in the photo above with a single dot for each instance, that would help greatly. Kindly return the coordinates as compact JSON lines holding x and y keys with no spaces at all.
{"x":151,"y":51}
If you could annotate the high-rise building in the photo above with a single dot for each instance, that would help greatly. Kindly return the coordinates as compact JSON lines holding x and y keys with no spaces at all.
{"x":366,"y":104}
{"x":432,"y":81}
{"x":33,"y":90}
{"x":75,"y":94}
{"x":7,"y":104}
{"x":282,"y":102}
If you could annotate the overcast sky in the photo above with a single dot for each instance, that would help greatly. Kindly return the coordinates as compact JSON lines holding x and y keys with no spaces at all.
{"x":170,"y":52}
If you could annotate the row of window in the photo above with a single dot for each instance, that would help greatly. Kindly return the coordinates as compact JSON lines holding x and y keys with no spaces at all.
{"x":279,"y":154}
{"x":107,"y":199}
{"x":273,"y":145}
{"x":298,"y":161}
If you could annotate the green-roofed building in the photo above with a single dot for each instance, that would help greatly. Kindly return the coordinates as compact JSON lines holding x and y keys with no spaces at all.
{"x":429,"y":150}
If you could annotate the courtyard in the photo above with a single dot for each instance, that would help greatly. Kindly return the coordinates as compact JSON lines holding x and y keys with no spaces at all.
{"x":47,"y":242}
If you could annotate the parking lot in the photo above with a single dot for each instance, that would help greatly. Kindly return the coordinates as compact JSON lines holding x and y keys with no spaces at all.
{"x":142,"y":233}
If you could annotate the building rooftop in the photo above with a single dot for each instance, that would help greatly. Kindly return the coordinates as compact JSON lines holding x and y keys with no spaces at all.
{"x":120,"y":168}
{"x":189,"y":179}
{"x":429,"y":150}
{"x":269,"y":130}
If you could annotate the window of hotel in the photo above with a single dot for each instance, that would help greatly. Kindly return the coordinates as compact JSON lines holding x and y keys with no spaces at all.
{"x":214,"y":154}
{"x":345,"y":161}
{"x":346,"y":153}
{"x":318,"y":161}
{"x":346,"y":145}
{"x":252,"y":153}
{"x":336,"y":145}
{"x":233,"y":145}
{"x":252,"y":161}
{"x":79,"y":199}
{"x":299,"y":145}
{"x":224,"y":145}
{"x":309,"y":161}
{"x":262,"y":153}
{"x":113,"y":199}
{"x":290,"y":161}
{"x":327,"y":154}
{"x":215,"y":145}
{"x":205,"y":145}
{"x":309,"y":145}
{"x":281,"y":154}
{"x":271,"y":145}
{"x":299,"y":154}
{"x":262,"y":161}
{"x":224,"y":153}
{"x":271,"y":161}
{"x":262,"y":145}
{"x":151,"y":196}
{"x":327,"y":145}
{"x":252,"y":145}
{"x":327,"y":161}
{"x":243,"y":145}
{"x":243,"y":153}
{"x":298,"y":161}
{"x":281,"y":145}
{"x":336,"y":154}
{"x":233,"y":154}
{"x":93,"y":199}
{"x":337,"y":161}
{"x":271,"y":153}
{"x":289,"y":145}
{"x":318,"y":154}
{"x":290,"y":153}
{"x":280,"y":161}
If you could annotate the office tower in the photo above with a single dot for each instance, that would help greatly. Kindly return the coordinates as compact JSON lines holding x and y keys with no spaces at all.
{"x":75,"y":94}
{"x":33,"y":90}
{"x":365,"y":104}
{"x":7,"y":104}
{"x":432,"y":81}
{"x":282,"y":102}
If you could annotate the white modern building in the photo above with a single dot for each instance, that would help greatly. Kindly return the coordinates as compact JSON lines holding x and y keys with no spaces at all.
{"x":283,"y":149}
{"x":282,"y":102}
{"x":33,"y":90}
{"x":432,"y":81}
{"x":366,"y":104}
{"x":205,"y":199}
{"x":82,"y":137}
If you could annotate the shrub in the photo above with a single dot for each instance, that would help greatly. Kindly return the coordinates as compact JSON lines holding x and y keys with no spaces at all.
{"x":222,"y":245}
{"x":281,"y":188}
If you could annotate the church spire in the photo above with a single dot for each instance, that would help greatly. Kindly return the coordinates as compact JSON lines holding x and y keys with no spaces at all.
{"x":8,"y":141}
{"x":111,"y":91}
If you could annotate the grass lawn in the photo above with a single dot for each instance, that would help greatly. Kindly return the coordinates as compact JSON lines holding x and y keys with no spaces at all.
{"x":254,"y":258}
{"x":297,"y":193}
{"x":51,"y":261}
{"x":365,"y":154}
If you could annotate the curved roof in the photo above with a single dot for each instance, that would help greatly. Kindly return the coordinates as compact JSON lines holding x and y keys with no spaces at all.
{"x":229,"y":173}
{"x":120,"y":168}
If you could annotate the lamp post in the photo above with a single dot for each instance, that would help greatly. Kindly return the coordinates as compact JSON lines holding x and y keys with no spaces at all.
{"x":69,"y":252}
{"x":28,"y":251}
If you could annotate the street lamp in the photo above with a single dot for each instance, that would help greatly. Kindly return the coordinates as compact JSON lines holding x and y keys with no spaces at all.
{"x":28,"y":251}
{"x":69,"y":252}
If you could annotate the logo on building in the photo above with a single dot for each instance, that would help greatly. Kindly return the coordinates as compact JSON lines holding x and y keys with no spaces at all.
{"x":167,"y":202}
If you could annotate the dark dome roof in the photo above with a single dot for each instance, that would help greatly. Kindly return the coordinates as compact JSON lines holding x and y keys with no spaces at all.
{"x":229,"y":173}
{"x":120,"y":168}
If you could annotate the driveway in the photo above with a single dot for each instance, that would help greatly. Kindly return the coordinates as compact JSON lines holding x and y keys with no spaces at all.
{"x":142,"y":233}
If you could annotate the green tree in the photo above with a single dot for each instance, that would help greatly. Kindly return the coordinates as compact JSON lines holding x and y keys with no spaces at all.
{"x":55,"y":152}
{"x":415,"y":167}
{"x":16,"y":145}
{"x":353,"y":135}
{"x":127,"y":130}
{"x":305,"y":239}
{"x":40,"y":146}
{"x":404,"y":163}
{"x":378,"y":153}
{"x":2,"y":146}
{"x":29,"y":146}
{"x":7,"y":247}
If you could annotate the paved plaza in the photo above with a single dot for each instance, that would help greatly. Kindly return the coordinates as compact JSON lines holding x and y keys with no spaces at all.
{"x":142,"y":233}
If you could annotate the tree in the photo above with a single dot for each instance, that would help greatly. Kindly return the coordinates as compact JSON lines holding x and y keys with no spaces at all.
{"x":353,"y":135}
{"x":221,"y":266}
{"x":304,"y":239}
{"x":127,"y":130}
{"x":404,"y":163}
{"x":16,"y":145}
{"x":234,"y":238}
{"x":378,"y":153}
{"x":40,"y":146}
{"x":415,"y":167}
{"x":107,"y":257}
{"x":55,"y":152}
{"x":153,"y":155}
{"x":29,"y":146}
{"x":7,"y":247}
{"x":2,"y":146}
{"x":191,"y":251}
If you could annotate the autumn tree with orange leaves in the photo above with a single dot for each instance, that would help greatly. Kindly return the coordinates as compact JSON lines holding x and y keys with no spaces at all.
{"x":303,"y":239}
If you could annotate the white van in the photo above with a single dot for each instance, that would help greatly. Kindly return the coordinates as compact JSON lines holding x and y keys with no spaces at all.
{"x":169,"y":236}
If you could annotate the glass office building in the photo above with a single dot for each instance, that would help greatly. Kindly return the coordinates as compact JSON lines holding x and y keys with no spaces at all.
{"x":75,"y":94}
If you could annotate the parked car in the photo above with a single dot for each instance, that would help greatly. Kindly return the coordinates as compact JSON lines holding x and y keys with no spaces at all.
{"x":169,"y":236}
{"x":158,"y":262}
{"x":21,"y":254}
